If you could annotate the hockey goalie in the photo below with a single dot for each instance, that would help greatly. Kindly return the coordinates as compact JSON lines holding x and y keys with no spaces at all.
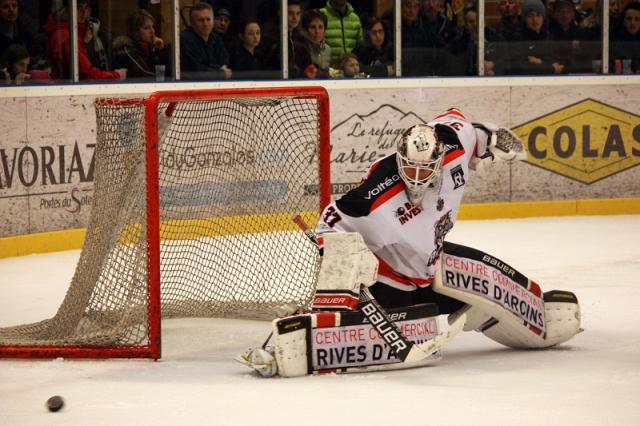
{"x":391,"y":291}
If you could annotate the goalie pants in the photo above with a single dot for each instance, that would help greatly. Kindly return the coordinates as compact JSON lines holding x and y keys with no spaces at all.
{"x":389,"y":297}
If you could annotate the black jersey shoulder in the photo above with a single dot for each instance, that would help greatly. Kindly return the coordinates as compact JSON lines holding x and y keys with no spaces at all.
{"x":449,"y":136}
{"x":359,"y":201}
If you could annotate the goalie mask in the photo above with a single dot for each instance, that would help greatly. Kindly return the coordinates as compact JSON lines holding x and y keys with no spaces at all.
{"x":420,"y":156}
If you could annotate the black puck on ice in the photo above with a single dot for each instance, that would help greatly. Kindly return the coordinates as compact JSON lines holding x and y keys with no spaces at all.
{"x":55,"y":403}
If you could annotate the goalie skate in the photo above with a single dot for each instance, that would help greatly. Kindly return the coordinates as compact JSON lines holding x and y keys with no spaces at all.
{"x":261,"y":360}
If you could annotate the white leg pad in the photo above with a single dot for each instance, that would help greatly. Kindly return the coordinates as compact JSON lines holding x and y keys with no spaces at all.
{"x":563,"y":322}
{"x":505,"y":305}
{"x":345,"y":342}
{"x":475,"y":318}
{"x":346,"y":265}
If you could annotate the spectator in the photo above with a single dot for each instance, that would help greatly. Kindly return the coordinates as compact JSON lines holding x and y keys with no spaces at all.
{"x":439,"y":27}
{"x":11,"y":29}
{"x":349,"y":67}
{"x":503,"y":35}
{"x":141,"y":50}
{"x":294,"y":15}
{"x":592,"y":21}
{"x":15,"y":64}
{"x":532,"y":52}
{"x":313,"y":25}
{"x":271,"y":33}
{"x":221,"y":24}
{"x":440,"y":32}
{"x":511,"y":23}
{"x":299,"y":57}
{"x":625,"y":39}
{"x":97,"y":41}
{"x":376,"y":53}
{"x":222,"y":21}
{"x":465,"y":47}
{"x":202,"y":54}
{"x":571,"y":45}
{"x":246,"y":64}
{"x":414,"y":39}
{"x":59,"y":45}
{"x":344,"y":29}
{"x":616,"y":8}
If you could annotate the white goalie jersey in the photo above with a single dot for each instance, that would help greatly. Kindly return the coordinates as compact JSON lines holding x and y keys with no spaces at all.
{"x":407,"y":239}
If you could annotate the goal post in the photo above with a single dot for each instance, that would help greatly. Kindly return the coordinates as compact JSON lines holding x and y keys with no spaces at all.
{"x":193,"y":198}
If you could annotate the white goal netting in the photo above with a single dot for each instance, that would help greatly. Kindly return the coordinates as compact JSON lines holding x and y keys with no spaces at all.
{"x":232,"y":173}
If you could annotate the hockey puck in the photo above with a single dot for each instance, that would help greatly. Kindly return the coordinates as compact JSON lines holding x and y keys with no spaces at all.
{"x":55,"y":403}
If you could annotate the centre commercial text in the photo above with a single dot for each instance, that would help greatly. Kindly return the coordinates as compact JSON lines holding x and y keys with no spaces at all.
{"x":494,"y":285}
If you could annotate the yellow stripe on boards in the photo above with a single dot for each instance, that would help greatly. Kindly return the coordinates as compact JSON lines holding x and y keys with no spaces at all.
{"x":71,"y":239}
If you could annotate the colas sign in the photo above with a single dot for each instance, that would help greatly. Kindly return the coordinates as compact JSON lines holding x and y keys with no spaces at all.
{"x":587,"y":141}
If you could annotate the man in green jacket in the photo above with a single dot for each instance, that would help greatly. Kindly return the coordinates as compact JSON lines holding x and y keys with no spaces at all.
{"x":344,"y":29}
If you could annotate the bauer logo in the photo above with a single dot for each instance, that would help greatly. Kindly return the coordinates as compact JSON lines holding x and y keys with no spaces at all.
{"x":587,"y":141}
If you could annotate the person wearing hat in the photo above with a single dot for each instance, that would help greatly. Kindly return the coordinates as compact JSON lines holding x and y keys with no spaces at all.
{"x":532,"y":53}
{"x":221,"y":24}
{"x":222,"y":21}
{"x":59,"y":42}
{"x":572,"y":43}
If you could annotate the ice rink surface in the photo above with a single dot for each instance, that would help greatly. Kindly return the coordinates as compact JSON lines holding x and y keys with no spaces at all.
{"x":593,"y":379}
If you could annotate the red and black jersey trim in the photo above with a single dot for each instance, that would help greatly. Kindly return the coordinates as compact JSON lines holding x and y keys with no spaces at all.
{"x":453,"y":146}
{"x":454,"y":112}
{"x":383,"y":183}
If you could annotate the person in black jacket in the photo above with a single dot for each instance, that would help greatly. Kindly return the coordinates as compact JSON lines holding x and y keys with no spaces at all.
{"x":246,"y":61}
{"x":465,"y":47}
{"x":441,"y":31}
{"x":202,"y":54}
{"x":532,"y":50}
{"x":414,"y":39}
{"x":625,"y":38}
{"x":375,"y":52}
{"x":573,"y":45}
{"x":141,"y":50}
{"x":11,"y":29}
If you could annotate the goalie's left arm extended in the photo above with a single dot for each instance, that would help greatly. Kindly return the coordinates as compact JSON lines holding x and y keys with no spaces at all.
{"x":494,"y":142}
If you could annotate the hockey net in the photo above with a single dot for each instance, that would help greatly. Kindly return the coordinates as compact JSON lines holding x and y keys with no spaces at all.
{"x":193,"y":200}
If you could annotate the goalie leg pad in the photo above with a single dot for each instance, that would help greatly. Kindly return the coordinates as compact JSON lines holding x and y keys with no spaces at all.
{"x":346,"y":265}
{"x":562,"y":315}
{"x":344,"y":342}
{"x":506,"y":306}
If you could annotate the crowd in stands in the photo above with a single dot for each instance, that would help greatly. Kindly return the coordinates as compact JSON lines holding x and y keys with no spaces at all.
{"x":325,"y":39}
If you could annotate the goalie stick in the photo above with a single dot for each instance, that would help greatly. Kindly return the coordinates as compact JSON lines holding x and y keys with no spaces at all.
{"x":402,"y":347}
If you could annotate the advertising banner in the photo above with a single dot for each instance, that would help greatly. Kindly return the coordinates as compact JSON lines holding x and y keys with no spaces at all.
{"x":582,"y":142}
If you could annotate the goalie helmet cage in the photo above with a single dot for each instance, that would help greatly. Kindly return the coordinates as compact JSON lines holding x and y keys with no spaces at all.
{"x":192,"y":217}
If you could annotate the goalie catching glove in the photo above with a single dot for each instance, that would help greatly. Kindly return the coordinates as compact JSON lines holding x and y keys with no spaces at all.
{"x":496,"y":142}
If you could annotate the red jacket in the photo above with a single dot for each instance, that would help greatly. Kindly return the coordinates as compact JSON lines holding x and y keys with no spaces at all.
{"x":59,"y":42}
